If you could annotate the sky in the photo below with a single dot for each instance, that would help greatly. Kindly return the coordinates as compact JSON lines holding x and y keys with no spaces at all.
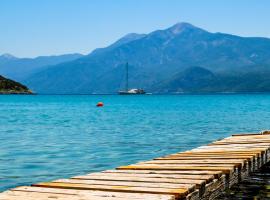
{"x":30,"y":28}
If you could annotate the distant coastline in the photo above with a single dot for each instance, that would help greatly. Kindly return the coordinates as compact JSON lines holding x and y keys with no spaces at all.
{"x":8,"y":86}
{"x":16,"y":93}
{"x":157,"y":94}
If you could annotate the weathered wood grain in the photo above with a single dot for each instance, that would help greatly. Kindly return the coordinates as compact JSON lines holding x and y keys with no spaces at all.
{"x":181,"y":192}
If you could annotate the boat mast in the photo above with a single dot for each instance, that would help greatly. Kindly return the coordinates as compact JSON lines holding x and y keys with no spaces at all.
{"x":127,"y":76}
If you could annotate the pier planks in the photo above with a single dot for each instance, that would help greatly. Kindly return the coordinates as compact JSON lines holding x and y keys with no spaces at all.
{"x":201,"y":173}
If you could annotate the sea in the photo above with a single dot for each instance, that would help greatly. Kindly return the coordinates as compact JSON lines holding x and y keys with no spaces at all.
{"x":46,"y":137}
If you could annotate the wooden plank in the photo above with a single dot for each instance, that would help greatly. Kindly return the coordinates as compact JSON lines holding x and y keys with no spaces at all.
{"x":246,"y":134}
{"x":139,"y":179}
{"x":209,"y":154}
{"x":242,"y":146}
{"x":261,"y":144}
{"x":188,"y":164}
{"x":236,"y":162}
{"x":178,"y":193}
{"x":261,"y":138}
{"x":233,"y":147}
{"x":216,"y":174}
{"x":244,"y":141}
{"x":226,"y":170}
{"x":23,"y":195}
{"x":222,"y":152}
{"x":212,"y":152}
{"x":228,"y":157}
{"x":253,"y":137}
{"x":101,"y":183}
{"x":92,"y":194}
{"x":228,"y":161}
{"x":204,"y":158}
{"x":135,"y":174}
{"x":238,"y":146}
{"x":38,"y":196}
{"x":218,"y":148}
{"x":243,"y":156}
{"x":251,"y":142}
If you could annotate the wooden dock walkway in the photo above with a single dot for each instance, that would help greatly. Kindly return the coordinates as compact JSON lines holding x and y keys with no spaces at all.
{"x":202,"y":173}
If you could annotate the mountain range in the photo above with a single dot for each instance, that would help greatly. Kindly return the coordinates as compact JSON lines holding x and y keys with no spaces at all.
{"x":21,"y":68}
{"x":182,"y":59}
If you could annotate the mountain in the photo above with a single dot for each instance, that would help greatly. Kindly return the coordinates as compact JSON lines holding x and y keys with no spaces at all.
{"x":7,"y":57}
{"x":8,"y":86}
{"x":126,"y":39}
{"x":193,"y":79}
{"x":161,"y":57}
{"x":20,"y":68}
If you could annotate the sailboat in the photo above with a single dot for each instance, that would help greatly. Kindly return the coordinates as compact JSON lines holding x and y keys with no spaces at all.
{"x":128,"y":91}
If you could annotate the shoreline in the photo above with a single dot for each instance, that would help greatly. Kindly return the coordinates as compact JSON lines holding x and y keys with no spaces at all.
{"x":153,"y":94}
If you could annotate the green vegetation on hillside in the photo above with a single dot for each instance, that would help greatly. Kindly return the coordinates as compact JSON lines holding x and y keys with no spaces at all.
{"x":8,"y":86}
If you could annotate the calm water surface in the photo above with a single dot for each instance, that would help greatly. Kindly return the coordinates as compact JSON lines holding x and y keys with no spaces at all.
{"x":48,"y":137}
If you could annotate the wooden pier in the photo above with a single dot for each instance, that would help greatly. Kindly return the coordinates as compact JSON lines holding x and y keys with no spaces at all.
{"x":202,"y":173}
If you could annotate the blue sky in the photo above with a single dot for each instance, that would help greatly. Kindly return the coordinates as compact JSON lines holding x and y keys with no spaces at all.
{"x":30,"y":28}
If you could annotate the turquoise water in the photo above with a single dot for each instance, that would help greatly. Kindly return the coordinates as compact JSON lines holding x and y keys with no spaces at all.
{"x":48,"y":137}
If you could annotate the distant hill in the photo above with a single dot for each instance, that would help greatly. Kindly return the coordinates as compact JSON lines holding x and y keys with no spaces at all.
{"x":21,"y":68}
{"x":158,"y":63}
{"x":200,"y":80}
{"x":8,"y":86}
{"x":193,"y":79}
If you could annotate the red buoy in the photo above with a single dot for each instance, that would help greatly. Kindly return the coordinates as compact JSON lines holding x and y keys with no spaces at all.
{"x":100,"y":104}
